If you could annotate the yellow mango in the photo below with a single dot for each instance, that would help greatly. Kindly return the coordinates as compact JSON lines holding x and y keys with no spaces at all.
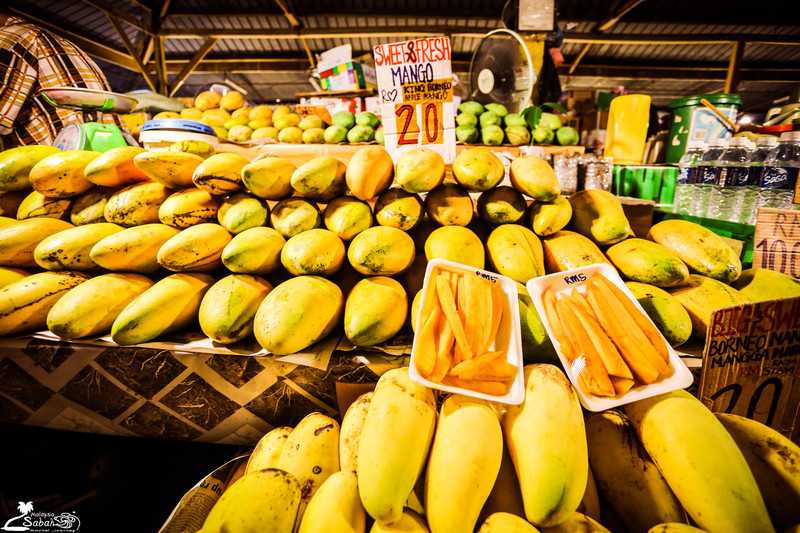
{"x":666,"y":312}
{"x":457,"y":244}
{"x":269,"y":178}
{"x":136,"y":204}
{"x":133,"y":249}
{"x":399,"y":209}
{"x":37,"y":205}
{"x":598,"y":215}
{"x":242,"y":211}
{"x":228,"y":308}
{"x":760,"y":284}
{"x":701,"y":296}
{"x":449,"y":204}
{"x":565,"y":250}
{"x":220,"y":174}
{"x":195,"y":249}
{"x":317,"y":252}
{"x":321,"y":179}
{"x":89,"y":207}
{"x":61,"y":175}
{"x":369,"y":172}
{"x":171,"y":169}
{"x":420,"y":170}
{"x":70,"y":249}
{"x":16,"y":164}
{"x":501,"y":205}
{"x":254,"y":251}
{"x":648,"y":262}
{"x":547,"y":218}
{"x":115,"y":167}
{"x":478,"y":169}
{"x":295,"y":215}
{"x":381,"y":251}
{"x":347,"y":216}
{"x":189,"y":207}
{"x":516,"y":252}
{"x":534,"y":177}
{"x":18,"y":240}
{"x":375,"y":311}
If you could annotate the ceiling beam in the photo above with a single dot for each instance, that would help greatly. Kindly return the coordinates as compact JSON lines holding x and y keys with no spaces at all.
{"x":131,"y":50}
{"x":120,"y":14}
{"x":191,"y":65}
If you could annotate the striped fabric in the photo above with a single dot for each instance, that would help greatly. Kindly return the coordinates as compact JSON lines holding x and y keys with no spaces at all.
{"x":32,"y":59}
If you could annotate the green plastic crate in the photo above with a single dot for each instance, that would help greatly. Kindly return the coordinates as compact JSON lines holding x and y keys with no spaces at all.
{"x":648,"y":182}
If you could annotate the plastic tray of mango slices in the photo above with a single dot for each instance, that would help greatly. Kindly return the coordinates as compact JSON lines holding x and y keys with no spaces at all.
{"x":611,"y":355}
{"x":489,"y":329}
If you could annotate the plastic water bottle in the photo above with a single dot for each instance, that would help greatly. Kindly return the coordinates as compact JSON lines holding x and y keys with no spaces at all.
{"x":706,"y":177}
{"x":780,"y":173}
{"x":764,"y":146}
{"x":687,"y":174}
{"x":723,"y":203}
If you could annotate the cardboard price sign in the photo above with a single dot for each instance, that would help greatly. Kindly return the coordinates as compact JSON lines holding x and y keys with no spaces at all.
{"x":415,"y":91}
{"x":751,"y":363}
{"x":776,"y":243}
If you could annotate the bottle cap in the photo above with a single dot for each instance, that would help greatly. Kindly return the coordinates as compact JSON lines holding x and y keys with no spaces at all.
{"x":767,"y":140}
{"x":717,"y":142}
{"x":694,"y":145}
{"x":738,"y":142}
{"x":790,"y":136}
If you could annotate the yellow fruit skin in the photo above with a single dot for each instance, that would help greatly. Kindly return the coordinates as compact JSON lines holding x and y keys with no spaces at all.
{"x":192,"y":146}
{"x":456,"y":243}
{"x":590,"y":504}
{"x":297,"y":313}
{"x":462,"y":468}
{"x":410,"y":522}
{"x":399,"y":209}
{"x":18,"y":240}
{"x":228,"y":308}
{"x":70,"y":249}
{"x":195,"y":249}
{"x":295,"y":215}
{"x":449,"y":204}
{"x":7,"y":221}
{"x":321,"y":179}
{"x":317,"y":252}
{"x":170,"y":305}
{"x":381,"y":251}
{"x":336,"y":507}
{"x":16,"y":164}
{"x":347,"y":216}
{"x":534,"y":177}
{"x":311,"y":455}
{"x":36,"y":205}
{"x":598,"y":215}
{"x":420,"y":170}
{"x":170,"y":169}
{"x":536,"y":344}
{"x":516,"y":252}
{"x":369,"y":172}
{"x":10,"y":202}
{"x":760,"y":284}
{"x":268,"y":450}
{"x":136,"y":204}
{"x":269,"y":178}
{"x":501,"y":205}
{"x":350,"y":433}
{"x":701,"y":249}
{"x":61,"y":175}
{"x":667,"y":313}
{"x":188,"y":207}
{"x":701,"y":296}
{"x":78,"y":314}
{"x":505,"y":497}
{"x":565,"y":250}
{"x":478,"y":169}
{"x":115,"y":167}
{"x":254,"y":251}
{"x":132,"y":249}
{"x":547,"y":218}
{"x":220,"y":174}
{"x":675,"y":527}
{"x":577,"y":523}
{"x":89,"y":207}
{"x":506,"y":523}
{"x":265,"y":500}
{"x":626,"y":475}
{"x":24,"y":304}
{"x":775,"y":463}
{"x":394,"y":444}
{"x":547,"y":442}
{"x":701,"y":462}
{"x":375,"y":311}
{"x":648,"y":262}
{"x":10,"y":275}
{"x":242,"y":211}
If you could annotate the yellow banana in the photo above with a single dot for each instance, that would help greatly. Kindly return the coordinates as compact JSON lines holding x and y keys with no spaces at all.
{"x":506,"y":523}
{"x":352,"y":424}
{"x":171,"y":169}
{"x":394,"y":444}
{"x":24,"y":304}
{"x":266,"y":500}
{"x":409,"y":522}
{"x":577,"y":523}
{"x":775,"y":463}
{"x":268,"y":450}
{"x":61,"y":175}
{"x":19,"y":240}
{"x":462,"y":468}
{"x":701,"y":462}
{"x":311,"y":454}
{"x":70,"y":249}
{"x":195,"y":249}
{"x":547,"y":442}
{"x":37,"y":205}
{"x":115,"y":167}
{"x":133,"y":249}
{"x":136,"y":204}
{"x":16,"y":164}
{"x":626,"y":476}
{"x":77,"y":314}
{"x":336,"y":507}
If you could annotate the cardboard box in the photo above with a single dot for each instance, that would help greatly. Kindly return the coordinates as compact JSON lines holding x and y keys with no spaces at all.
{"x":348,"y":76}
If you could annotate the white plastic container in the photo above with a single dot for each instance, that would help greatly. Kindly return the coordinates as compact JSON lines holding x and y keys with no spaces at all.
{"x":161,"y":140}
{"x":508,"y":336}
{"x":679,"y":377}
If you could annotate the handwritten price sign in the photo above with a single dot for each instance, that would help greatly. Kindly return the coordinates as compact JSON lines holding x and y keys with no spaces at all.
{"x":776,"y":244}
{"x":415,"y":85}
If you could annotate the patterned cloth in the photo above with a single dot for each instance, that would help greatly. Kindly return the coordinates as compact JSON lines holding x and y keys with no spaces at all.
{"x":32,"y":59}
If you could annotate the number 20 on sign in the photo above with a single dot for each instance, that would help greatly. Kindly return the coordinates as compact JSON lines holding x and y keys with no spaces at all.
{"x":406,"y":118}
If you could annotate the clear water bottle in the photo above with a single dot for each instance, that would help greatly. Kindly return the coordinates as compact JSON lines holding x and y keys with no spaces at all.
{"x":687,"y":174}
{"x":780,"y":173}
{"x":706,"y":177}
{"x":764,"y":146}
{"x":732,"y":169}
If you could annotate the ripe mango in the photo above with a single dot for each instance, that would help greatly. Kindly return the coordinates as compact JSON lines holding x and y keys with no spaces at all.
{"x":254,"y":251}
{"x":295,"y":215}
{"x":188,"y":207}
{"x":133,"y":249}
{"x":37,"y":205}
{"x":381,"y":251}
{"x":171,"y":169}
{"x":565,"y":250}
{"x":399,"y":209}
{"x":115,"y":167}
{"x":375,"y":311}
{"x":89,"y":207}
{"x":369,"y":172}
{"x":297,"y":313}
{"x":195,"y":249}
{"x":61,"y":175}
{"x":16,"y":164}
{"x":242,"y":211}
{"x":700,"y":248}
{"x":10,"y":202}
{"x":457,"y":244}
{"x":536,"y":344}
{"x":501,"y":205}
{"x":516,"y":252}
{"x":534,"y":177}
{"x":478,"y":169}
{"x":18,"y":240}
{"x":228,"y":308}
{"x":220,"y":174}
{"x":420,"y":170}
{"x":317,"y":252}
{"x":9,"y":275}
{"x":760,"y":284}
{"x":598,"y":214}
{"x":666,"y":312}
{"x":648,"y":262}
{"x":547,"y":218}
{"x":321,"y":180}
{"x":449,"y":204}
{"x":347,"y":216}
{"x":70,"y":249}
{"x":701,"y":296}
{"x":136,"y":204}
{"x":269,"y":178}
